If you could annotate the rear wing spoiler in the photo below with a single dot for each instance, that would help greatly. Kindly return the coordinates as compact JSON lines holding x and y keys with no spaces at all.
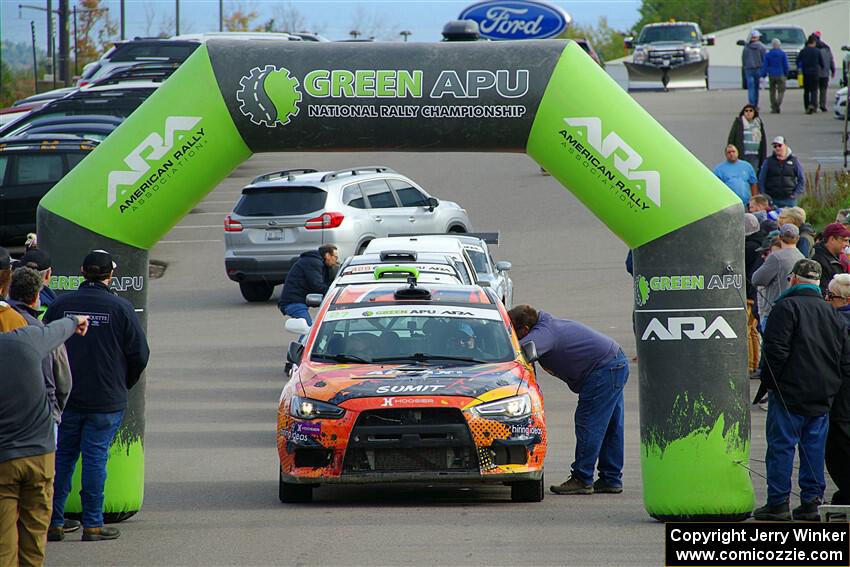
{"x":488,"y":237}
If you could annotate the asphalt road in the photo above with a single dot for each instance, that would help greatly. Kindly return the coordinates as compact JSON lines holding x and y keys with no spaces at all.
{"x":215,"y":377}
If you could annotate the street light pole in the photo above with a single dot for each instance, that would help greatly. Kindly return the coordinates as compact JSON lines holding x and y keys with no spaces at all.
{"x":221,"y":15}
{"x":122,"y":19}
{"x":176,"y":17}
{"x":405,"y":34}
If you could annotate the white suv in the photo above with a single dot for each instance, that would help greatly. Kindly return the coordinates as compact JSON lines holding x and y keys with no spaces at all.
{"x":285,"y":213}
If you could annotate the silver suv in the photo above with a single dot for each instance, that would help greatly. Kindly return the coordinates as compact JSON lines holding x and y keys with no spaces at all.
{"x":284,"y":213}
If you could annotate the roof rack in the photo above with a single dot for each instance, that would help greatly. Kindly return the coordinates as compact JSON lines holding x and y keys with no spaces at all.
{"x":290,"y":173}
{"x":398,"y":255}
{"x":396,"y":272}
{"x":357,"y":171}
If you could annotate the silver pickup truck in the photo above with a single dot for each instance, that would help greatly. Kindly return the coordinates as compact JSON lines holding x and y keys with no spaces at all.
{"x":673,"y":53}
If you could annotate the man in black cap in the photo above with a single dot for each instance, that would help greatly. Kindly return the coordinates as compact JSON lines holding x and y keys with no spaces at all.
{"x":104,"y":366}
{"x":40,"y":260}
{"x":806,"y":355}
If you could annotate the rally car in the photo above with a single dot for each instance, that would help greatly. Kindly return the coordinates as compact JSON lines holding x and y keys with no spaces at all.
{"x":409,"y":383}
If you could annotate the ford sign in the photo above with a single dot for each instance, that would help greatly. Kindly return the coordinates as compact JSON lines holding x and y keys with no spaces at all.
{"x":517,"y":19}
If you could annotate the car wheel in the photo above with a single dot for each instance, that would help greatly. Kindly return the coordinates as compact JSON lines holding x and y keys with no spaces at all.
{"x":527,"y":491}
{"x":362,"y":249}
{"x":256,"y":291}
{"x":290,"y":493}
{"x":457,"y":230}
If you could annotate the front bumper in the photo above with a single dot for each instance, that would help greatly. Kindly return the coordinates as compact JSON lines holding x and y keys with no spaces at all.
{"x":465,"y":477}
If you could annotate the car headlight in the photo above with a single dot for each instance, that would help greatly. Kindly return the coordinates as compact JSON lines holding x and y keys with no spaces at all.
{"x":640,"y":56}
{"x":693,"y":53}
{"x":515,"y":407}
{"x":305,"y":408}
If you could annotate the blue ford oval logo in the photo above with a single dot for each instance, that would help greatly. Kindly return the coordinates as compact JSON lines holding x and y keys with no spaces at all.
{"x":517,"y":19}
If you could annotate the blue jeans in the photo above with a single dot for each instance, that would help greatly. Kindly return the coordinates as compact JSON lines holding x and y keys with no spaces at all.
{"x":752,"y":76}
{"x":298,"y":311}
{"x":91,"y":434}
{"x":599,"y":423}
{"x":785,"y":432}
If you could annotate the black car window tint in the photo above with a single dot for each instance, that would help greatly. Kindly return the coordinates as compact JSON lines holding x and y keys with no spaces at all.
{"x":280,"y":201}
{"x":378,"y":194}
{"x":479,"y":260}
{"x":408,"y":195}
{"x":74,"y":158}
{"x":38,"y":168}
{"x":461,"y":269}
{"x":4,"y":162}
{"x":353,"y":197}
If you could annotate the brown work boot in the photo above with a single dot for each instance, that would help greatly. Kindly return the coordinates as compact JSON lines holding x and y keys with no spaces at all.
{"x":97,"y":534}
{"x":572,"y":486}
{"x":55,"y":533}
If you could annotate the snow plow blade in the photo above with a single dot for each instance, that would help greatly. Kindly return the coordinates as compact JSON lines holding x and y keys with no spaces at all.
{"x":687,"y":76}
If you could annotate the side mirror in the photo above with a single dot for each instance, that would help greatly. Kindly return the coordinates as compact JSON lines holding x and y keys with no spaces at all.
{"x":709,"y":40}
{"x":741,"y":42}
{"x":297,"y":326}
{"x":314,"y":299}
{"x":629,"y":42}
{"x":432,"y":203}
{"x":503,"y":266}
{"x":295,"y":352}
{"x":845,"y":48}
{"x":529,"y":351}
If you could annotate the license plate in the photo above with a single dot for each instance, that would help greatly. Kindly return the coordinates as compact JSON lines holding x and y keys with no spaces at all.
{"x":274,"y":234}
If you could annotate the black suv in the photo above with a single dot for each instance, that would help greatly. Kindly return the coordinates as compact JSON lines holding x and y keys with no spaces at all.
{"x":29,"y":168}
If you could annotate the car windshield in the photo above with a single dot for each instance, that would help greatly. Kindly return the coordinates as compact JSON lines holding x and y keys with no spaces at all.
{"x":687,"y":34}
{"x":414,"y":334}
{"x":791,"y":36}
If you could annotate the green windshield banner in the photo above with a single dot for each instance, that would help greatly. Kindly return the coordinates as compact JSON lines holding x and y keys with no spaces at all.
{"x":601,"y":145}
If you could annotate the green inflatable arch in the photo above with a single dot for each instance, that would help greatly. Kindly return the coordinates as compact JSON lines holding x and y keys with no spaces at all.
{"x":546,"y":98}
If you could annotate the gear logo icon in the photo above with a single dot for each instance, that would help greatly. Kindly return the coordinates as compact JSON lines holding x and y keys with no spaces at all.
{"x":641,"y":291}
{"x":269,"y":96}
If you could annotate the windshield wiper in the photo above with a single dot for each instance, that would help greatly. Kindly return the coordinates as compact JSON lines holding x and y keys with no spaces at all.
{"x":422,"y":357}
{"x":341,"y":358}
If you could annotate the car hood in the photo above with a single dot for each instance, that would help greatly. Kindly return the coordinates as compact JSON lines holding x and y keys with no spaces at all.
{"x":665,"y":45}
{"x":338,"y":383}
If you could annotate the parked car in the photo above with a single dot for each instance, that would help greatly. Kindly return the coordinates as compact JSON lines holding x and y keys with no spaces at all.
{"x":285,"y":213}
{"x":107,"y":100}
{"x":92,"y":127}
{"x":29,"y":168}
{"x":410,"y":383}
{"x":138,"y":50}
{"x":389,"y":272}
{"x":793,"y":39}
{"x":447,"y":245}
{"x":839,"y":107}
{"x":588,"y":48}
{"x":845,"y":66}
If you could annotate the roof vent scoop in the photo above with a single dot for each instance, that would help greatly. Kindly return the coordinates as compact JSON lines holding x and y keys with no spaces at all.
{"x":412,"y":292}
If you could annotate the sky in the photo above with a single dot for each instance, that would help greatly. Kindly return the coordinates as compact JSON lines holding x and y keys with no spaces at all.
{"x":332,"y":18}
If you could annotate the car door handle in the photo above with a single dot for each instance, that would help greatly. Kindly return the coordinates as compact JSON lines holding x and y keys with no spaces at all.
{"x":411,"y":219}
{"x":379,"y":219}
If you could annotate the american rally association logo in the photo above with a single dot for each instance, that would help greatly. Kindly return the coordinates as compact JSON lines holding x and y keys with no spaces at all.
{"x":269,"y":96}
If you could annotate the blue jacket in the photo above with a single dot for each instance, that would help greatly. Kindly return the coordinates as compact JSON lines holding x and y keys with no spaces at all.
{"x":110,"y":359}
{"x":775,"y":64}
{"x":308,"y":274}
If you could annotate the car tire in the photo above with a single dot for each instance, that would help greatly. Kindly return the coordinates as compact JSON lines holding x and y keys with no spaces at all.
{"x":456,"y":230}
{"x":362,"y":249}
{"x":256,"y":291}
{"x":527,"y":491}
{"x":291,"y":493}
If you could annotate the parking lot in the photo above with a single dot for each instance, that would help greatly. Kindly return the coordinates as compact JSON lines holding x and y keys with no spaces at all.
{"x":216,"y":374}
